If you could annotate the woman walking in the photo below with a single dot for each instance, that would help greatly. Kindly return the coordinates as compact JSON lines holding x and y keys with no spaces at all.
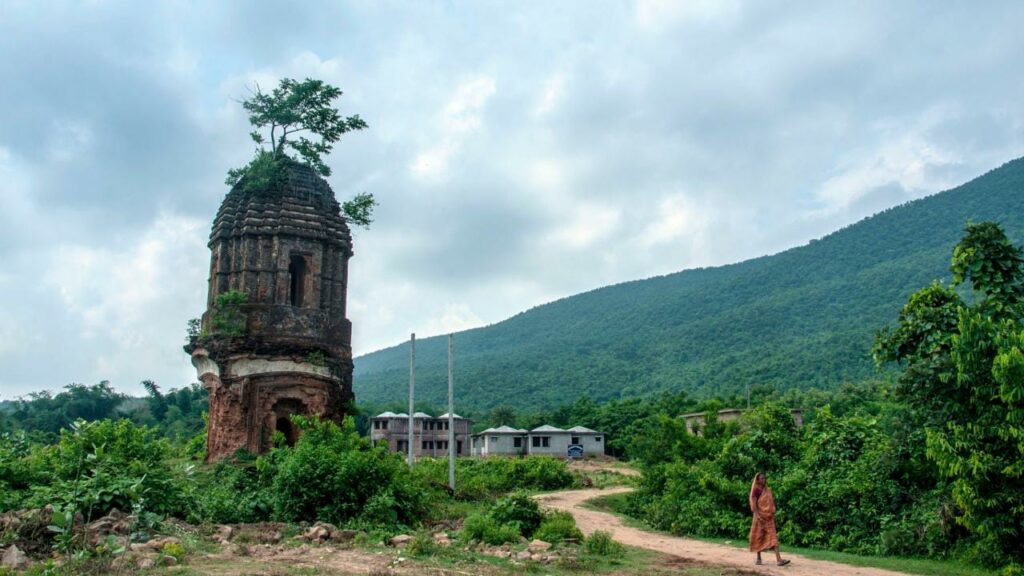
{"x":762,"y":530}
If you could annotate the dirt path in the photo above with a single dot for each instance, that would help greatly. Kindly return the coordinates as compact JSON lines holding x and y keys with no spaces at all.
{"x":705,"y":552}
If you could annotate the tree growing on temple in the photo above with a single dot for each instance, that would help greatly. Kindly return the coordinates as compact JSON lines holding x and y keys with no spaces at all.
{"x":297,"y":121}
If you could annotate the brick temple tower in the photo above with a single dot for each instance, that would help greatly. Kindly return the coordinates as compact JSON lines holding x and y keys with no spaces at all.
{"x":287,"y":347}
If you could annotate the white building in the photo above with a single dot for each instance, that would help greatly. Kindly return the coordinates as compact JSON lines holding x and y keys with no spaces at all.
{"x":502,"y":440}
{"x":543,"y":440}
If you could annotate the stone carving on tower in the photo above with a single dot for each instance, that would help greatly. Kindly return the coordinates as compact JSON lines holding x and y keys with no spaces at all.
{"x":274,"y":339}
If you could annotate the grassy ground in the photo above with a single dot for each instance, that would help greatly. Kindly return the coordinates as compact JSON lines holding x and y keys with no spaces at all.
{"x":384,"y":561}
{"x":615,"y":504}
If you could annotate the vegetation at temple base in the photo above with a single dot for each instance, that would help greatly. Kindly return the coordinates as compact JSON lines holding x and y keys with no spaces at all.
{"x":278,"y":118}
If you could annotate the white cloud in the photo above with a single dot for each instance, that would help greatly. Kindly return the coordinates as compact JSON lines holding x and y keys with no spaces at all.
{"x":676,"y":219}
{"x":551,"y":94}
{"x":461,"y":116}
{"x":911,"y":162}
{"x":587,"y":224}
{"x":659,"y":14}
{"x":116,"y":291}
{"x":455,"y":318}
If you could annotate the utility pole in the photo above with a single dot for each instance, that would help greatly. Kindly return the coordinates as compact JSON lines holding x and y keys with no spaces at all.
{"x":412,"y":386}
{"x":451,"y":418}
{"x":748,"y":395}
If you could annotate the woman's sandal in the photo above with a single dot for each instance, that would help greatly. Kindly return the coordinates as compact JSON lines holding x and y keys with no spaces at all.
{"x":783,"y":562}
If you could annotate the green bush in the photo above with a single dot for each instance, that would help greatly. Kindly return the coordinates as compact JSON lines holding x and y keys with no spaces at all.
{"x":422,"y":544}
{"x":98,"y":466}
{"x":558,"y":527}
{"x":233,"y":490}
{"x":333,"y":475}
{"x":601,"y":543}
{"x":485,"y":528}
{"x":485,"y":478}
{"x":518,"y":510}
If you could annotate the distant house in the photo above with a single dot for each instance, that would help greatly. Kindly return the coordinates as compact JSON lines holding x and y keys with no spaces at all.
{"x":543,"y":440}
{"x":695,"y":420}
{"x":503,"y":440}
{"x":430,"y":435}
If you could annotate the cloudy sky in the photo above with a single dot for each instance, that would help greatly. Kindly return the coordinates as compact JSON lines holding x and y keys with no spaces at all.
{"x":520,"y":151}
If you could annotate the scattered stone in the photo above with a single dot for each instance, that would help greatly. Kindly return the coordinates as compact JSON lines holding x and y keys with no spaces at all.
{"x":539,"y":546}
{"x":344,"y":535}
{"x":14,"y":558}
{"x":168,"y":560}
{"x":157,"y":544}
{"x":271,"y":537}
{"x":523,"y":555}
{"x":442,"y":539}
{"x":145,"y":563}
{"x":400,"y":540}
{"x":225,"y":532}
{"x":115,"y":523}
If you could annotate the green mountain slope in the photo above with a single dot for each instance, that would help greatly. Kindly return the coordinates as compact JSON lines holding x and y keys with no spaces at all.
{"x":801,"y":318}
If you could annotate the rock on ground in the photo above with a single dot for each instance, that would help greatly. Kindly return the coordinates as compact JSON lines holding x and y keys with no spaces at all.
{"x":14,"y":558}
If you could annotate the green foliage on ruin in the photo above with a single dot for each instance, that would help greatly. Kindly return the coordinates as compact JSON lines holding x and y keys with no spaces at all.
{"x":227,"y":318}
{"x":297,"y":122}
{"x":801,"y":319}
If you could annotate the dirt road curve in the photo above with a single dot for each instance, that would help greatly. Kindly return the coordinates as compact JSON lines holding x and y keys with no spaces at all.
{"x":705,"y":552}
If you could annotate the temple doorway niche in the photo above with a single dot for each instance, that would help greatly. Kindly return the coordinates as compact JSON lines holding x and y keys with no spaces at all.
{"x":282,"y":415}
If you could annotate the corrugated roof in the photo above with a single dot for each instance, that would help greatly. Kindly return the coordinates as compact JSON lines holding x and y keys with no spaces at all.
{"x":583,"y":430}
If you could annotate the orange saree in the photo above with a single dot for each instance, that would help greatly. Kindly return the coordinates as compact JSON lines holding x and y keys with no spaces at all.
{"x":762,"y":530}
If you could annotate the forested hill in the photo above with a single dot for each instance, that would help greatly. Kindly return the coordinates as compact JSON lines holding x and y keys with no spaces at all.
{"x":802,"y":318}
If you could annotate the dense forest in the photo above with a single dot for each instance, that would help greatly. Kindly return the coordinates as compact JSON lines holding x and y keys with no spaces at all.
{"x":801,"y":319}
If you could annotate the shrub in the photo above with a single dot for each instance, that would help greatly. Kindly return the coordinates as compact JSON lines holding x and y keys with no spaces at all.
{"x":485,"y":528}
{"x":233,"y":491}
{"x":333,"y":475}
{"x":601,"y":543}
{"x":98,"y":466}
{"x":228,"y":318}
{"x":484,"y":478}
{"x":558,"y":527}
{"x":518,"y":510}
{"x":422,"y":544}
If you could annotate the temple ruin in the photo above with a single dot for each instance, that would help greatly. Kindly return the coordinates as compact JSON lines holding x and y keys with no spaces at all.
{"x":282,"y":249}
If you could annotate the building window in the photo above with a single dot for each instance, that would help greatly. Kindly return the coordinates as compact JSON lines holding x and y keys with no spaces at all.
{"x":297,"y":271}
{"x":541,"y":441}
{"x":494,"y":438}
{"x":575,"y":440}
{"x":384,"y":425}
{"x":403,"y":445}
{"x":428,"y":445}
{"x":597,"y":438}
{"x":517,"y":442}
